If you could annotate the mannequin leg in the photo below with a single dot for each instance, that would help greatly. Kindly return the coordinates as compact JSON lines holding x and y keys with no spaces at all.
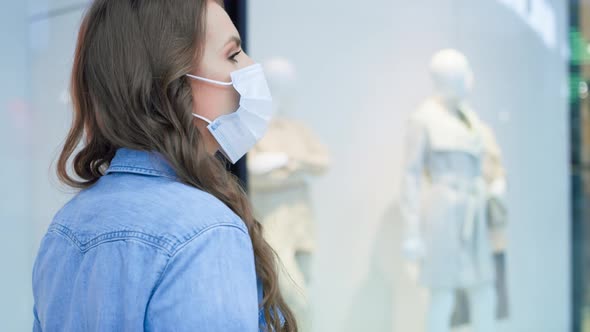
{"x":293,"y":287}
{"x":291,"y":279}
{"x":441,"y":307}
{"x":483,"y":307}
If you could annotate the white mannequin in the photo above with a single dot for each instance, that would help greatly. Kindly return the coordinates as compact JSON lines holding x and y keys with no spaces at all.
{"x":447,"y":240}
{"x":280,"y":167}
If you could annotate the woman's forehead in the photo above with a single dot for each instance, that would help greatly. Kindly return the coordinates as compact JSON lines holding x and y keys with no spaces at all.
{"x":220,"y":28}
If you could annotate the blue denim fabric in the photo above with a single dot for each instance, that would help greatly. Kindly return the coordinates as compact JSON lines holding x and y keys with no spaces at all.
{"x":139,"y":251}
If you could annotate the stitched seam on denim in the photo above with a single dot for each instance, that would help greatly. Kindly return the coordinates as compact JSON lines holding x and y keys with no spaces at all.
{"x":136,"y":168}
{"x":161,"y":243}
{"x":128,"y":238}
{"x":140,"y":170}
{"x":84,"y":250}
{"x":97,"y":238}
{"x":171,"y":257}
{"x":65,"y":232}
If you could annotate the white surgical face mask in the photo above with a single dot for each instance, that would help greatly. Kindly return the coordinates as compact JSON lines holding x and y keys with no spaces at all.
{"x":239,"y":131}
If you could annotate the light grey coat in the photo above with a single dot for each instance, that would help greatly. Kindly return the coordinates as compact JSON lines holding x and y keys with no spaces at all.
{"x":444,"y":196}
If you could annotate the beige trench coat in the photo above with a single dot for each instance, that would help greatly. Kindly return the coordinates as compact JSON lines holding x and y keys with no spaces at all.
{"x":282,"y":202}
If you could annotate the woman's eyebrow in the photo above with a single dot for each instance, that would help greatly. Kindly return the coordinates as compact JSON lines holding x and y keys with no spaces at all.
{"x":234,"y":39}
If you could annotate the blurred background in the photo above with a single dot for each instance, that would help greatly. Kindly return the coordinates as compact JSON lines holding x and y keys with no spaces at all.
{"x":354,"y":71}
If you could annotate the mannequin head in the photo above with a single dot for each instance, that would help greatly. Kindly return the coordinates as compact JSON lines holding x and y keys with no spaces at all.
{"x":281,"y":77}
{"x":452,"y":76}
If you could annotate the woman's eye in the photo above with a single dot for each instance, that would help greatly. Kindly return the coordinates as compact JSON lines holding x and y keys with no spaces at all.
{"x":233,"y":56}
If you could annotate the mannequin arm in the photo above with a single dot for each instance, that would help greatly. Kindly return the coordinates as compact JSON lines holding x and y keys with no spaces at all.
{"x":415,"y":152}
{"x":273,"y":170}
{"x":495,"y":176}
{"x":493,"y":168}
{"x":498,"y":189}
{"x":497,"y":183}
{"x":266,"y":162}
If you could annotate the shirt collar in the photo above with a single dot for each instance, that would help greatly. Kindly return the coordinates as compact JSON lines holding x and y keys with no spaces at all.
{"x":140,"y":162}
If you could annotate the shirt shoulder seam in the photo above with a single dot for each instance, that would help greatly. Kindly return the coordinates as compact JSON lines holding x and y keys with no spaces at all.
{"x":169,"y":247}
{"x":159,"y":243}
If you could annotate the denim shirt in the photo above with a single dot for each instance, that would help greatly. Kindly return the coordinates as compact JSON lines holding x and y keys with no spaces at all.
{"x":140,"y":251}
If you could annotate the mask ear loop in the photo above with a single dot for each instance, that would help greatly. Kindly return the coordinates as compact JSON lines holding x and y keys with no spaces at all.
{"x":202,"y":118}
{"x":209,"y":80}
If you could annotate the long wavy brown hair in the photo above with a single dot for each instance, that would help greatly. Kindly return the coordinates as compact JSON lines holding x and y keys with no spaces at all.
{"x":129,"y":89}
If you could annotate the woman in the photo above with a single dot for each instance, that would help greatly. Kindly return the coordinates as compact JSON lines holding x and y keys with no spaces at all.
{"x":161,"y":237}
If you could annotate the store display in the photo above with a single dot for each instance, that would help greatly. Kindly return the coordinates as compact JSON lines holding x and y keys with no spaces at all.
{"x":452,"y":183}
{"x":281,"y":167}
